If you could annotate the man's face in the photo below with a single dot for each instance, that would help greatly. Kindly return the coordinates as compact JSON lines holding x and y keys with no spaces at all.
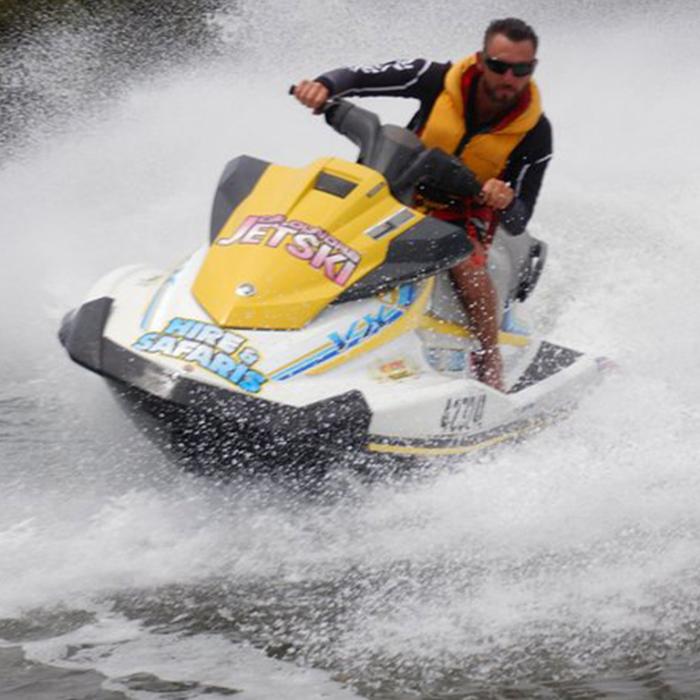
{"x":504,"y":90}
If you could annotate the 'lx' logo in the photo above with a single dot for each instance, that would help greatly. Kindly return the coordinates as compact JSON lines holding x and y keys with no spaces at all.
{"x":365,"y":327}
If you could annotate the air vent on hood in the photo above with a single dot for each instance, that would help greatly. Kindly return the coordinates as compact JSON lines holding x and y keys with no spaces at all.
{"x":332,"y":184}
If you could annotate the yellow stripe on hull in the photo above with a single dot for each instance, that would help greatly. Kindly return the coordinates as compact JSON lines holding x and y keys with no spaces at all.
{"x":438,"y":325}
{"x":417,"y":450}
{"x":511,"y":432}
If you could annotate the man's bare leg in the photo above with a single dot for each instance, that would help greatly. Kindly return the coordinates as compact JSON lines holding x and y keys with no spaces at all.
{"x":481,"y":303}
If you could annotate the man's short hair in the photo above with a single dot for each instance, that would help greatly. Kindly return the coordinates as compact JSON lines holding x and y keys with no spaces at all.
{"x":513,"y":28}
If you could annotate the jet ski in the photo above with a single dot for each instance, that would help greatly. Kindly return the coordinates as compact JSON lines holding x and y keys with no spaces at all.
{"x":320,"y":315}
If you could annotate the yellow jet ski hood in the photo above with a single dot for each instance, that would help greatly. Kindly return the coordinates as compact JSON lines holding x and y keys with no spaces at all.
{"x":287,"y":242}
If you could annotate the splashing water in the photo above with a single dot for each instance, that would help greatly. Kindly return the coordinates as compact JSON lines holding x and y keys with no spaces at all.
{"x":569,"y":561}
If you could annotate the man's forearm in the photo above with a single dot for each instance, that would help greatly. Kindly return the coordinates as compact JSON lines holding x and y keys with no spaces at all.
{"x":417,"y":79}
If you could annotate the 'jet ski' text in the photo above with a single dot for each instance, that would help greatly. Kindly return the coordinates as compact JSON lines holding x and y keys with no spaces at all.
{"x":305,"y":242}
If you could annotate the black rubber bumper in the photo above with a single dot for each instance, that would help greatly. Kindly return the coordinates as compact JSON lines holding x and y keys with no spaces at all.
{"x":340,"y":421}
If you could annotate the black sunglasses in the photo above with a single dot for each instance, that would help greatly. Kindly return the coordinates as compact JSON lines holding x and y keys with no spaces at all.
{"x":520,"y":70}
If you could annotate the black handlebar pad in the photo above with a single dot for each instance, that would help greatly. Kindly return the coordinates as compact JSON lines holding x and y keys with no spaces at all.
{"x":432,"y":169}
{"x":438,"y":172}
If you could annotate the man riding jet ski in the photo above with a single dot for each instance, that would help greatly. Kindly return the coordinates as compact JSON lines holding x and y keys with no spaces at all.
{"x":321,"y":315}
{"x":485,"y":110}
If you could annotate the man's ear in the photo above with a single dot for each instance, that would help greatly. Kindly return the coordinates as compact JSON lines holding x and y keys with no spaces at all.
{"x":480,"y":61}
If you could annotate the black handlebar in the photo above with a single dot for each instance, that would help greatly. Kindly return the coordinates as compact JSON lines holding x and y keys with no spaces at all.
{"x":433,"y":169}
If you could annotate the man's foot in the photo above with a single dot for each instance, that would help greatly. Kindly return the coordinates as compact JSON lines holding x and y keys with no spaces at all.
{"x":490,"y":368}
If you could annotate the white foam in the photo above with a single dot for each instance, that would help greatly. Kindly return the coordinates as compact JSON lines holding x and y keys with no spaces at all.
{"x":589,"y":526}
{"x":120,"y":648}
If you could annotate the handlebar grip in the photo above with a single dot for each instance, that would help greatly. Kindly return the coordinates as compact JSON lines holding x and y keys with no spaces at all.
{"x":319,"y":110}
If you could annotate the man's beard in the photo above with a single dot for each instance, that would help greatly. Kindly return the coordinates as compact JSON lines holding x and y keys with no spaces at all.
{"x":502,"y":99}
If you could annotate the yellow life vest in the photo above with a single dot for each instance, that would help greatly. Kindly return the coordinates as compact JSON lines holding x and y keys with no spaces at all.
{"x":487,"y":153}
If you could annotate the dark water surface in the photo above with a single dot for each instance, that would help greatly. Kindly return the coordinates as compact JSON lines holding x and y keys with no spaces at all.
{"x":564,"y":567}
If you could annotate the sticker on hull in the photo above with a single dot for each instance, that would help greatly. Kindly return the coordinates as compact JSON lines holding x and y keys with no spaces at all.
{"x":341,"y":342}
{"x":400,"y":368}
{"x":359,"y":330}
{"x":222,"y":352}
{"x":463,"y":413}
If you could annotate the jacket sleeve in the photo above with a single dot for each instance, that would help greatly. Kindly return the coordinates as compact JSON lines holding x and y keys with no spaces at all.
{"x":417,"y":78}
{"x":525,"y":172}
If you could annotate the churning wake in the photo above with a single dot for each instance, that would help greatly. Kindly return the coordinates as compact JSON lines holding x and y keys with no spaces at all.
{"x":572,"y":557}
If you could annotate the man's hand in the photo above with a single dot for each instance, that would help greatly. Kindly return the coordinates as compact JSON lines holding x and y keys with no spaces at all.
{"x":496,"y":194}
{"x":311,"y":94}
